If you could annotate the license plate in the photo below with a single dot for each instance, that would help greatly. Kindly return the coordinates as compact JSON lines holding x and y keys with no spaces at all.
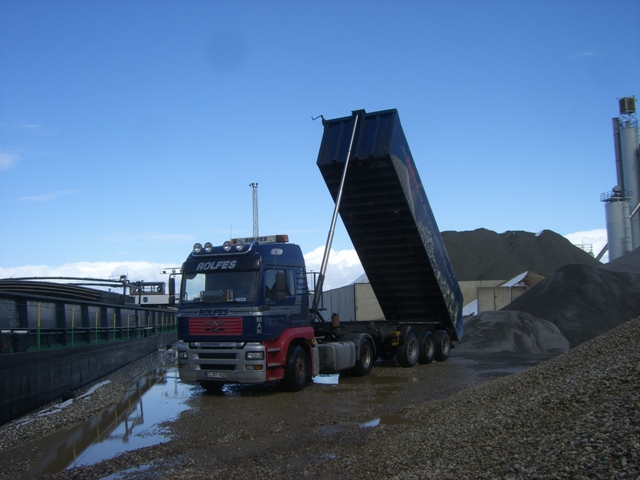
{"x":215,"y":375}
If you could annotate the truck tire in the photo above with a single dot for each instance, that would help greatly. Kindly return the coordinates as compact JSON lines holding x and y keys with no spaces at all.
{"x":407,"y":353}
{"x":295,"y":372}
{"x":443,"y":345}
{"x":364,"y":360}
{"x":427,"y":348}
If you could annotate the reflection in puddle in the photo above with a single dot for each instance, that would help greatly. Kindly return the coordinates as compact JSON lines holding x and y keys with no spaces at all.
{"x":138,"y":425}
{"x":134,"y":423}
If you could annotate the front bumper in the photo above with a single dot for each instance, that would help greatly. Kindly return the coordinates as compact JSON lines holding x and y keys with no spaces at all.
{"x":224,"y":363}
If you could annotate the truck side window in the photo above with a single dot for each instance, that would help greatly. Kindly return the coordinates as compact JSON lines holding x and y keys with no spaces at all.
{"x":271,"y":285}
{"x":291,"y":283}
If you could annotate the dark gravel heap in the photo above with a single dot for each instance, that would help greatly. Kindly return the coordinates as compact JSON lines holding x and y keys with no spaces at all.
{"x":580,"y":296}
{"x":511,"y":332}
{"x":485,"y":255}
{"x":582,"y":301}
{"x":629,"y":263}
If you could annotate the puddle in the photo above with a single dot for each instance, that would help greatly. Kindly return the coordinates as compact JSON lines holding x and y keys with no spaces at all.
{"x":135,"y":423}
{"x":385,"y":420}
{"x":138,"y":425}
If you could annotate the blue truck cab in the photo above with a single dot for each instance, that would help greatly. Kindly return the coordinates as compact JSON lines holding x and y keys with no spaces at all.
{"x":243,"y":308}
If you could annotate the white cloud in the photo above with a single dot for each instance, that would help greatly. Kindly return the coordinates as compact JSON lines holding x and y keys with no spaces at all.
{"x":343,"y":268}
{"x":597,"y":239}
{"x":8,"y":160}
{"x":47,"y":197}
{"x":590,"y":54}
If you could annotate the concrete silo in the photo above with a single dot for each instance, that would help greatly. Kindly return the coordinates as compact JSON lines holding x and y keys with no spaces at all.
{"x":621,"y":205}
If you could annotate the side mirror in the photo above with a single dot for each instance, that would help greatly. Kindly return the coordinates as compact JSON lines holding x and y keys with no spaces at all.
{"x":172,"y":291}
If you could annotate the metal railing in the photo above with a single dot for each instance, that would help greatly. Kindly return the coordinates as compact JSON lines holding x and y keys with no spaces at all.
{"x":33,"y":323}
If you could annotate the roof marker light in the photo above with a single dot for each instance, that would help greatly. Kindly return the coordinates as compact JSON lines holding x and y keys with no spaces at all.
{"x":264,"y":239}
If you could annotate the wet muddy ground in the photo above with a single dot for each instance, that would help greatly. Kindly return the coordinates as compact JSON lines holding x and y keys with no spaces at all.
{"x":165,"y":427}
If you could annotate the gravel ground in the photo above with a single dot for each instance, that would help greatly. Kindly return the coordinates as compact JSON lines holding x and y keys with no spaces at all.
{"x":574,"y":416}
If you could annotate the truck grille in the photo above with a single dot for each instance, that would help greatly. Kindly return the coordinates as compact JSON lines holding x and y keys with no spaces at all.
{"x":215,"y":326}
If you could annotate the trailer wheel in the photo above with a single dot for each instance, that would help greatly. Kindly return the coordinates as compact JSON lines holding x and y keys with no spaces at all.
{"x":408,"y":352}
{"x":364,"y":362}
{"x":295,"y":373}
{"x":427,"y":348}
{"x":443,"y":345}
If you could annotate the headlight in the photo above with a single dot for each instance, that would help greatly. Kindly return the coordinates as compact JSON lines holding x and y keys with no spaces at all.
{"x":239,"y":245}
{"x":254,"y":356}
{"x":182,"y":354}
{"x":227,"y":246}
{"x":197,"y":248}
{"x":208,"y":247}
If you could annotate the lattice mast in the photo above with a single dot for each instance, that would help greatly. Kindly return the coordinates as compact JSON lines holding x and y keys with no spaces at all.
{"x":254,"y":186}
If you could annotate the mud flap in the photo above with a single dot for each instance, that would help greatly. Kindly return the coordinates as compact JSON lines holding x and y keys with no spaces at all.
{"x":316,"y":361}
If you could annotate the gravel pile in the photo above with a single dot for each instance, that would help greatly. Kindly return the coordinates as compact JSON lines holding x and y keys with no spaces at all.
{"x":629,"y":263}
{"x":485,"y":255}
{"x":580,"y":297}
{"x":582,"y":301}
{"x":511,"y":332}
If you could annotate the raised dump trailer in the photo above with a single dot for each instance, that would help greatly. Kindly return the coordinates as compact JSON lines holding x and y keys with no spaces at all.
{"x":388,"y":217}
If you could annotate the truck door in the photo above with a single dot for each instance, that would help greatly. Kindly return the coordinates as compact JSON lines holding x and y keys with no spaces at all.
{"x":284,"y":297}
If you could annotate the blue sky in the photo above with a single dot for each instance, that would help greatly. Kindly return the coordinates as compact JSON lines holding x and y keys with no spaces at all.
{"x":131,"y":130}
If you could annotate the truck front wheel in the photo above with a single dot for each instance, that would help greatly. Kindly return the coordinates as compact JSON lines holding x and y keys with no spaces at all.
{"x":295,"y":373}
{"x":408,"y":352}
{"x":364,"y":360}
{"x":443,"y":345}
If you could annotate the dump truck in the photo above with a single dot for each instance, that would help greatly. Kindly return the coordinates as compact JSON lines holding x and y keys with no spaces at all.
{"x":247,"y":314}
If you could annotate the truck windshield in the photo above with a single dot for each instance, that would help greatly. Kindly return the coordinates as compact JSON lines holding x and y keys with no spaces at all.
{"x":220,"y":287}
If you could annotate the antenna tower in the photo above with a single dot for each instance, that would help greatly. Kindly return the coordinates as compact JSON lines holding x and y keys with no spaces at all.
{"x":255,"y":209}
